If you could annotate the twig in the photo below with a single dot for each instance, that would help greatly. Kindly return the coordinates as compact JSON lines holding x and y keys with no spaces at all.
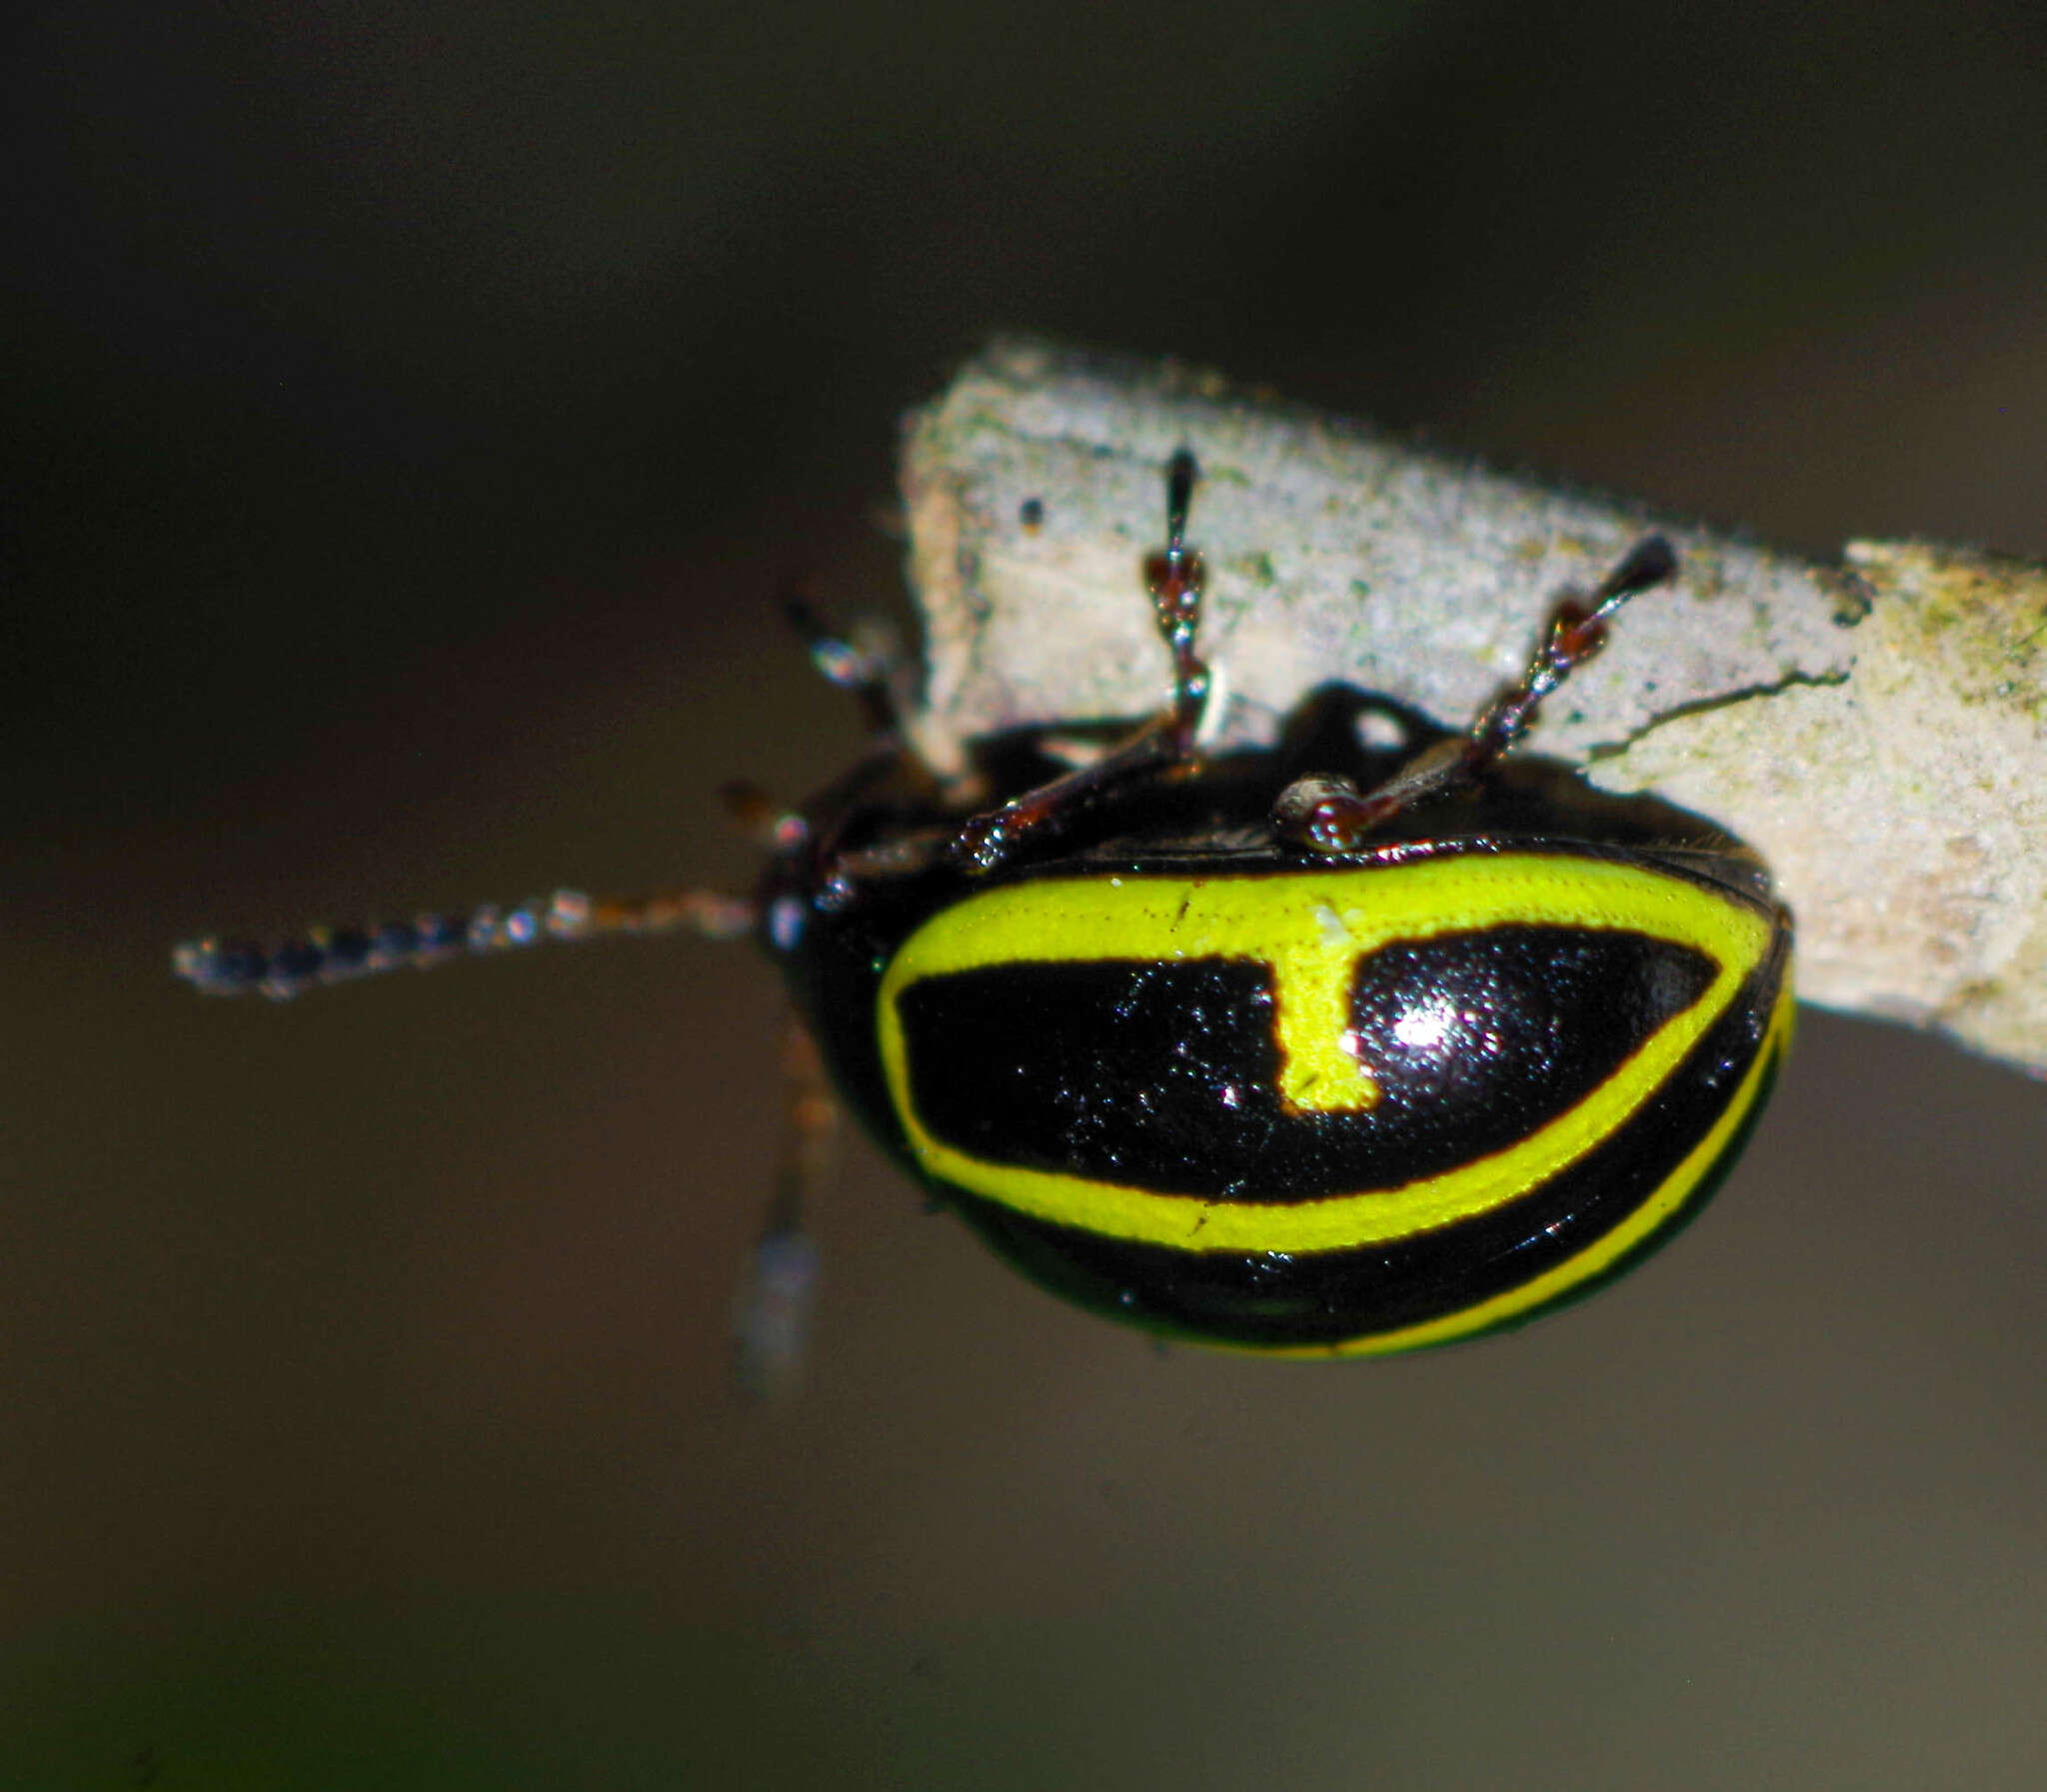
{"x":1878,"y":729}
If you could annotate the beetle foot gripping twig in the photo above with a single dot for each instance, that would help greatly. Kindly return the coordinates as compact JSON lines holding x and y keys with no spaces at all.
{"x":1330,"y":815}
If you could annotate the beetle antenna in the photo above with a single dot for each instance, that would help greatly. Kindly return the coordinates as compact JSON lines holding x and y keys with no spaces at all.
{"x":216,"y":966}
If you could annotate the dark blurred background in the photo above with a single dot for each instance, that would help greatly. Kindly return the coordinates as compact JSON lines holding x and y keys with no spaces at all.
{"x":411,"y":411}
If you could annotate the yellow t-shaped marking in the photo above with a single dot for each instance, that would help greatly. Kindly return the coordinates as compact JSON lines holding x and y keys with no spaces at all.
{"x":1310,"y":930}
{"x":1319,"y":1069}
{"x":1311,"y":927}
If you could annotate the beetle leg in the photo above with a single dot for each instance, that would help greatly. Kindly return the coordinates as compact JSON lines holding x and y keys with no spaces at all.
{"x":871,"y":673}
{"x":1577,"y":632}
{"x":989,"y":840}
{"x":1330,"y":815}
{"x":1174,"y":575}
{"x":754,"y":811}
{"x":864,"y":671}
{"x":772,"y":1308}
{"x":899,"y":855}
{"x":218,"y":966}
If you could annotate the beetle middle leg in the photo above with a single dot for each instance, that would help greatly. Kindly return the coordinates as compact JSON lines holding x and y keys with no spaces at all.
{"x":1174,"y":574}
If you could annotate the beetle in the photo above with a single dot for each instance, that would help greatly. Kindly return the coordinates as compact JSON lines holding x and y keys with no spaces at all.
{"x":1321,"y":1047}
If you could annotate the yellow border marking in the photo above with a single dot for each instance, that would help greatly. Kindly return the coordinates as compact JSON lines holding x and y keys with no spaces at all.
{"x":1598,"y":1256}
{"x":1312,"y":927}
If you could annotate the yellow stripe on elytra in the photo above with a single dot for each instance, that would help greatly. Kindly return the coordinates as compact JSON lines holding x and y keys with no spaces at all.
{"x":1598,"y":1256}
{"x":1312,"y":927}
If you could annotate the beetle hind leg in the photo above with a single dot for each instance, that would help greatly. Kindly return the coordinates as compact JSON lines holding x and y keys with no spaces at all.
{"x":1330,"y":815}
{"x":1575,"y":632}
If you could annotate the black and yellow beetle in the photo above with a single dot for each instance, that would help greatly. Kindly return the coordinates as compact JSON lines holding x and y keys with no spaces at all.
{"x":1315,"y":1049}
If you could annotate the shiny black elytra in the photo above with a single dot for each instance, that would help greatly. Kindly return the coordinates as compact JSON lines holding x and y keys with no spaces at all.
{"x":1313,"y":1048}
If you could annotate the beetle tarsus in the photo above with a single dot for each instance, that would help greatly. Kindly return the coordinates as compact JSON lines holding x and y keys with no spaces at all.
{"x":1574,"y":634}
{"x":1174,"y":574}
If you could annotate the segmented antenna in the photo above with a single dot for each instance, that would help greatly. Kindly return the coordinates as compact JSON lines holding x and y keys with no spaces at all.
{"x":216,"y":966}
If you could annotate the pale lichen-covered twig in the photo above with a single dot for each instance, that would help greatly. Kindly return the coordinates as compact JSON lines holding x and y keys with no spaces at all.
{"x":1878,"y":729}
